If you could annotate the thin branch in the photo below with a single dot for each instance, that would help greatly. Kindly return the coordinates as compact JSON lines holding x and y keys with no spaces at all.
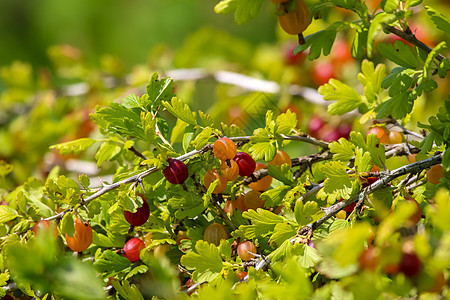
{"x":135,"y":178}
{"x":302,"y":138}
{"x":382,"y":182}
{"x":137,"y":153}
{"x":410,"y":37}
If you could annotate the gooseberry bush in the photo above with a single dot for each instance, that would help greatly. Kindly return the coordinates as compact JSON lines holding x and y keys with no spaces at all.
{"x":200,"y":208}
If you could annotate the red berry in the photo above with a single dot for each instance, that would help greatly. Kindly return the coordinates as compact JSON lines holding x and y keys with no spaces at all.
{"x":322,"y":72}
{"x":315,"y":124}
{"x":132,"y":249}
{"x":245,"y":163}
{"x":349,"y":208}
{"x":176,"y":172}
{"x":410,"y":264}
{"x":291,"y":59}
{"x":140,"y":216}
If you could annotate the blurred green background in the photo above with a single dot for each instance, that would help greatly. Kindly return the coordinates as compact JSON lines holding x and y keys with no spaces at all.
{"x":127,"y":29}
{"x":60,"y":59}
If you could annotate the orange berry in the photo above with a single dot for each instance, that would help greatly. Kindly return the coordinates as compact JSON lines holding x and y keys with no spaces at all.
{"x":262,"y":184}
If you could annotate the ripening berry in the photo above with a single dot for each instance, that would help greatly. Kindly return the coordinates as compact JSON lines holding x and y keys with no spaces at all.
{"x":435,"y":173}
{"x":252,"y":200}
{"x":263,"y":183}
{"x":380,"y":132}
{"x":417,"y":214}
{"x":214,"y":233}
{"x":245,"y":250}
{"x":368,"y":259}
{"x":132,"y":249}
{"x":245,"y":163}
{"x":231,"y":172}
{"x":296,"y":21}
{"x":213,"y":175}
{"x":44,"y":225}
{"x":241,"y":274}
{"x":176,"y":172}
{"x":281,"y":158}
{"x":224,"y":149}
{"x":82,"y":238}
{"x":394,"y":137}
{"x":238,"y":203}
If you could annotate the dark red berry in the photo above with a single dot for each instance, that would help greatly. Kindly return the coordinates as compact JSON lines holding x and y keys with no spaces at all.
{"x":140,"y":216}
{"x":176,"y":172}
{"x":410,"y":264}
{"x":370,"y":180}
{"x":245,"y":163}
{"x":132,"y":249}
{"x":315,"y":124}
{"x":349,"y":208}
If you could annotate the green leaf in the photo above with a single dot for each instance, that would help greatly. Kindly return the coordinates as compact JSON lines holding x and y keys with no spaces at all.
{"x":282,"y":232}
{"x":363,"y":161}
{"x":372,"y":79}
{"x":67,"y":225}
{"x":343,"y":150}
{"x":263,"y":221}
{"x":263,"y":150}
{"x":307,"y":213}
{"x":245,"y":10}
{"x":84,"y":181}
{"x":7,"y":213}
{"x":159,"y":90}
{"x":202,"y":139}
{"x":116,"y":119}
{"x":131,"y":101}
{"x":107,"y":151}
{"x":347,"y":99}
{"x":308,"y":256}
{"x":373,"y":146}
{"x":111,"y":263}
{"x":376,"y":27}
{"x":439,"y":47}
{"x":225,"y":6}
{"x":206,"y":119}
{"x":207,"y":261}
{"x":348,"y":4}
{"x":190,"y":205}
{"x":439,"y":19}
{"x":127,"y":291}
{"x":275,"y":196}
{"x":284,"y":250}
{"x":390,"y":6}
{"x":400,"y":54}
{"x":286,"y":122}
{"x":399,"y":80}
{"x":398,"y":106}
{"x":320,"y":42}
{"x":283,"y":174}
{"x":338,"y":183}
{"x":75,"y":146}
{"x":180,"y":110}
